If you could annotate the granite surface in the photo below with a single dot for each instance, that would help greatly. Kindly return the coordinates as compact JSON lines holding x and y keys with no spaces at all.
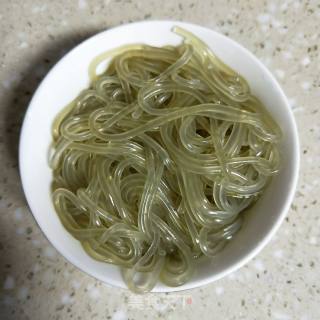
{"x":282,"y":283}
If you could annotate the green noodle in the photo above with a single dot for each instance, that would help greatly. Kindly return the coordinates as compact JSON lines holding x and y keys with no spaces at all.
{"x":155,"y":164}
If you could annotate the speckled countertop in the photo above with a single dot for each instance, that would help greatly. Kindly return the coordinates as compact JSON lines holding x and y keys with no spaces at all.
{"x":282,"y":283}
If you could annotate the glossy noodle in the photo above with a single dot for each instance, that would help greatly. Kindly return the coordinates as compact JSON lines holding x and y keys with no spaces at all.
{"x":155,"y":163}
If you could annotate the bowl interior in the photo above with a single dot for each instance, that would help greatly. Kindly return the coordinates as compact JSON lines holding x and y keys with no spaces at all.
{"x":70,"y":75}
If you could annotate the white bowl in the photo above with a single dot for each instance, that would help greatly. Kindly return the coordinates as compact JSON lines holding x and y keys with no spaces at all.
{"x":70,"y":75}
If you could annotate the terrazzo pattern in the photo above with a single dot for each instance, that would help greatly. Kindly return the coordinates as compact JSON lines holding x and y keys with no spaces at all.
{"x":282,"y":283}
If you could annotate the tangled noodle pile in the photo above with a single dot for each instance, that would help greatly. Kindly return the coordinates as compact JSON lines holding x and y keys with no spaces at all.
{"x":154,"y":164}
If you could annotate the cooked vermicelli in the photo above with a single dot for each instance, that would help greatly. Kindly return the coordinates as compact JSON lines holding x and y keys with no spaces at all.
{"x":155,"y":163}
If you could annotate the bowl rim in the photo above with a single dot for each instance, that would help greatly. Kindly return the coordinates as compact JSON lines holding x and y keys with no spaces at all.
{"x":290,"y":194}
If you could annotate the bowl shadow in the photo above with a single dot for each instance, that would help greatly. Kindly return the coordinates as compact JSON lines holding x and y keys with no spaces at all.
{"x":21,"y":94}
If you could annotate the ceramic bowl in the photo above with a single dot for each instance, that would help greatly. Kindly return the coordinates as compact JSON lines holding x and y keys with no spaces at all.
{"x":70,"y":75}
